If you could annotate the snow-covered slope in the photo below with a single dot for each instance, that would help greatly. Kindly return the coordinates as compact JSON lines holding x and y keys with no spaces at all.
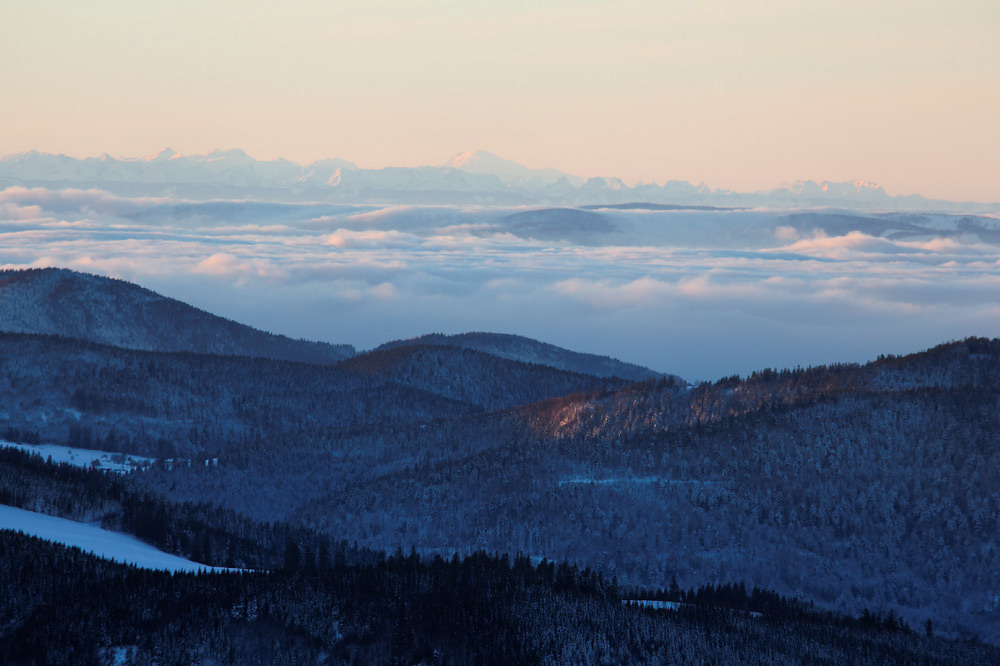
{"x":114,"y":312}
{"x":114,"y":546}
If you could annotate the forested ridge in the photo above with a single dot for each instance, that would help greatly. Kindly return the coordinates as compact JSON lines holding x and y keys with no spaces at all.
{"x":197,"y":405}
{"x":110,"y":311}
{"x":472,"y":376}
{"x":517,"y":347}
{"x":857,"y":486}
{"x":312,"y":600}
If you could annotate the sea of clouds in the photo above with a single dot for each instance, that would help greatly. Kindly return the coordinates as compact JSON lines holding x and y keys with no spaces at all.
{"x":697,"y":293}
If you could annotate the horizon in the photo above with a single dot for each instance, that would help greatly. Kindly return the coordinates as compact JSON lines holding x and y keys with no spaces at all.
{"x":148,"y":157}
{"x":743,"y":98}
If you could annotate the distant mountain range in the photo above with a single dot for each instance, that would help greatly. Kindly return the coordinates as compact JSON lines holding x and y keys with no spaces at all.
{"x":475,"y":177}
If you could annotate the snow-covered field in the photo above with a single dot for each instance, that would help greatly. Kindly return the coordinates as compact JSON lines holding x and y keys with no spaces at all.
{"x":671,"y":605}
{"x":106,"y":460}
{"x":622,"y":480}
{"x":114,"y":546}
{"x":650,"y":603}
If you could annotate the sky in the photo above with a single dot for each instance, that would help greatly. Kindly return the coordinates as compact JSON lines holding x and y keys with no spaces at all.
{"x":699,"y":294}
{"x":734,"y":94}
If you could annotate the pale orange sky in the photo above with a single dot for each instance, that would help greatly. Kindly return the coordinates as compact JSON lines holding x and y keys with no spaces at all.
{"x":906,"y":94}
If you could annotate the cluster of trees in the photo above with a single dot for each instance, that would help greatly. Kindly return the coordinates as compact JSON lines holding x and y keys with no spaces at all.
{"x":62,"y":606}
{"x":203,"y":532}
{"x":769,"y":603}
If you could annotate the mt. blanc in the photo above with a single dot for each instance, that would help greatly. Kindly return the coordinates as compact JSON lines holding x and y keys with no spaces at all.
{"x":482,"y":162}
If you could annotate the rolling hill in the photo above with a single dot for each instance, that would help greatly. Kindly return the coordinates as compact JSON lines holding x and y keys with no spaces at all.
{"x":57,"y":301}
{"x":527,"y":350}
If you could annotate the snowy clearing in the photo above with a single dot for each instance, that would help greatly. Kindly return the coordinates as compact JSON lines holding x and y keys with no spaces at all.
{"x":674,"y":605}
{"x":650,"y":603}
{"x":576,"y":480}
{"x":110,"y":545}
{"x":106,"y":460}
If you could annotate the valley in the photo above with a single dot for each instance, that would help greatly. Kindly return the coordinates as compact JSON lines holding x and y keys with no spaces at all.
{"x":855,"y":487}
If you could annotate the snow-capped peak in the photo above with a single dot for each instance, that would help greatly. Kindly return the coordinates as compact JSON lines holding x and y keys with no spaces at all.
{"x":483,"y":162}
{"x":830,"y":188}
{"x":476,"y":175}
{"x":162,"y":156}
{"x":233,"y":154}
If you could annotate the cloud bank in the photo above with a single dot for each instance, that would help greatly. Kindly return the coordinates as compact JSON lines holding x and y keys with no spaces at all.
{"x":696,"y":293}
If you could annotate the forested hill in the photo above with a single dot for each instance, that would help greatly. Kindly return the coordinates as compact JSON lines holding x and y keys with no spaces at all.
{"x":114,"y":312}
{"x":657,"y":406}
{"x":524,"y":349}
{"x":488,"y":380}
{"x":310,"y":598}
{"x":200,"y":405}
{"x":854,"y":486}
{"x":193,"y":405}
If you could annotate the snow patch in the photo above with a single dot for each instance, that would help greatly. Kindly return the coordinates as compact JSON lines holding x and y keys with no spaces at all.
{"x":630,"y":479}
{"x":650,"y":603}
{"x":113,"y":546}
{"x":111,"y":461}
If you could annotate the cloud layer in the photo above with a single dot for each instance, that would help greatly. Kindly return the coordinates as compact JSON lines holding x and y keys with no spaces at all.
{"x":700,"y":294}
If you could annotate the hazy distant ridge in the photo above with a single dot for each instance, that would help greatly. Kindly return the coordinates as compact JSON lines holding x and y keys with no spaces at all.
{"x":472,"y":177}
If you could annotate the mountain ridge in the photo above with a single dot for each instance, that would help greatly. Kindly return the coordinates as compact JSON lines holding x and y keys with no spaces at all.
{"x":472,"y":177}
{"x":483,"y":162}
{"x":110,"y":311}
{"x":521,"y":348}
{"x":107,"y":310}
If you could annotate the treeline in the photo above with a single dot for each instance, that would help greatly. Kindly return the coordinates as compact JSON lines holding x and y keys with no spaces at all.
{"x":203,"y":532}
{"x":652,"y":406}
{"x":60,"y":606}
{"x":770,"y":604}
